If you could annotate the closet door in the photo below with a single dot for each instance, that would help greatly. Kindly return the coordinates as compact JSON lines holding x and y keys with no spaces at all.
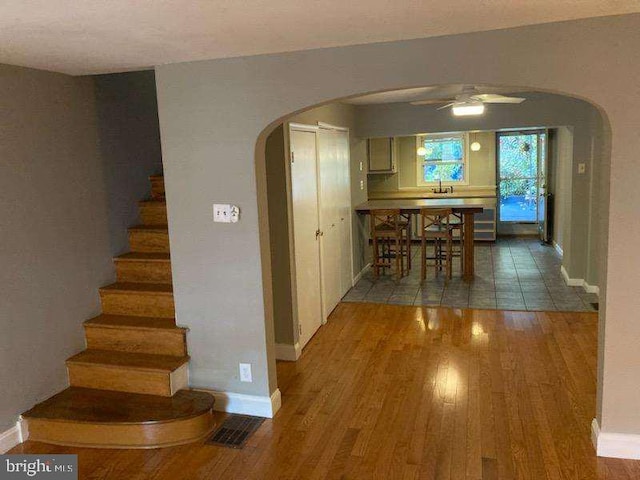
{"x":328,"y":166}
{"x":345,"y":213}
{"x":304,"y":190}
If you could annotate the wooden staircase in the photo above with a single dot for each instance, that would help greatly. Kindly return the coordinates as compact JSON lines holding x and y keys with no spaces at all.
{"x":129,"y":387}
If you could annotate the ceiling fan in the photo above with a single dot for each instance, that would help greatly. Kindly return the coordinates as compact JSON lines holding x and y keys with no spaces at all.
{"x":470,"y":101}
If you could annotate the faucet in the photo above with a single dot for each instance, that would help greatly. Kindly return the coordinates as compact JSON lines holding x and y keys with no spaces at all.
{"x":442,"y":190}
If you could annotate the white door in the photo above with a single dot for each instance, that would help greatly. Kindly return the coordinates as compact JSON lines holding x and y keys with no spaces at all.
{"x":304,"y":191}
{"x":329,"y":220}
{"x":346,"y":248}
{"x":335,"y":215}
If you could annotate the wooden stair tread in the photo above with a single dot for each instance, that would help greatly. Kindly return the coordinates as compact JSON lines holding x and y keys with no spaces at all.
{"x":156,"y":177}
{"x":150,"y":228}
{"x":142,"y":288}
{"x":86,"y":405}
{"x":153,"y":202}
{"x":138,"y":323}
{"x":144,"y":256}
{"x":134,"y":361}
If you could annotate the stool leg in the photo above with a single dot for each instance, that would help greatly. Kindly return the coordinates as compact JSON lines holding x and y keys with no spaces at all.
{"x":376,"y":258}
{"x":423,"y":269}
{"x":449,"y":256}
{"x":409,"y":242}
{"x":398,"y":246}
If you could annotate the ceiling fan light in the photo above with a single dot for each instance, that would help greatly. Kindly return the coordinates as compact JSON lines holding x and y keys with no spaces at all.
{"x":467,"y":109}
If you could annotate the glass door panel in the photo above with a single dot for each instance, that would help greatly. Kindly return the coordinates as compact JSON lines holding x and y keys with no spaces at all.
{"x":519,"y":176}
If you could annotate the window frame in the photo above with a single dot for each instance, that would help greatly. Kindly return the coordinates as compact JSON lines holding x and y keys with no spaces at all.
{"x":420,"y":161}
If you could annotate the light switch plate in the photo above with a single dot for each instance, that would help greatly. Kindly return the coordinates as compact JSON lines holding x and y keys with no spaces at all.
{"x":221,"y":213}
{"x":582,"y":167}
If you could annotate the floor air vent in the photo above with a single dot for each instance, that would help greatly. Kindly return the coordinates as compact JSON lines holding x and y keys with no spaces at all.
{"x":235,"y":431}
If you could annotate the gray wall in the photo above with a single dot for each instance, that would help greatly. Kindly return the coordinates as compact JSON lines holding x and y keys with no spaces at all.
{"x":281,"y":253}
{"x":539,"y":110}
{"x":54,"y":245}
{"x":280,"y":214}
{"x":129,"y":144}
{"x":215,"y":117}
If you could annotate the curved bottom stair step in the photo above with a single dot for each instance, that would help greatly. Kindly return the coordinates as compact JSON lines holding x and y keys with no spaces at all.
{"x":97,"y":418}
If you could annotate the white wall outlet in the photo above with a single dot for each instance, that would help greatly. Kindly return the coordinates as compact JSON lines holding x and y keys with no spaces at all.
{"x":582,"y":167}
{"x":221,"y":213}
{"x":245,"y":372}
{"x":360,"y":166}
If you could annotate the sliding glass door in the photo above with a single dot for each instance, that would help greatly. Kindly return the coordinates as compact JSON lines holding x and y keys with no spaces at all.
{"x":522,"y":166}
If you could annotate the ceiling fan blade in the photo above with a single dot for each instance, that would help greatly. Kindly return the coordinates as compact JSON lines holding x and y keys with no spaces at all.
{"x":495,"y":98}
{"x":432,"y":101}
{"x":446,"y":106}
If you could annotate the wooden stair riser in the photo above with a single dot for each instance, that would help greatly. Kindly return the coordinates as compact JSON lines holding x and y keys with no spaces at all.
{"x":143,"y":271}
{"x":153,"y":213}
{"x":157,"y":187}
{"x":153,"y":341}
{"x":149,"y":241}
{"x":137,"y":304}
{"x":132,"y":380}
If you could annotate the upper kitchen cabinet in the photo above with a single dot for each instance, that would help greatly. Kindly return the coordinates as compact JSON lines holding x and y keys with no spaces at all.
{"x":381,"y":155}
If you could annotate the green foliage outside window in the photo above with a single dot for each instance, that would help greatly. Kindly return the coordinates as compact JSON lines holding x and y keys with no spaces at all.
{"x":518,"y":165}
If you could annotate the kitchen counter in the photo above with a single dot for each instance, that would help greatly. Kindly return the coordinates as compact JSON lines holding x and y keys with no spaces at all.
{"x":418,"y":194}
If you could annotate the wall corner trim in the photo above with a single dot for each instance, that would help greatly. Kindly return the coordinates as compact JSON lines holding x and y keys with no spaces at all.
{"x":14,"y":436}
{"x":579,"y":282}
{"x":256,"y":405}
{"x":361,"y":273}
{"x":286,"y":352}
{"x":615,"y":445}
{"x":558,"y":248}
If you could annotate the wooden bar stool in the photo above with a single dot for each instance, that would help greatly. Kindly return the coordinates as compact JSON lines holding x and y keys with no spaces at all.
{"x":406,"y":222}
{"x":435,"y":226}
{"x":456,"y":224}
{"x":388,"y":232}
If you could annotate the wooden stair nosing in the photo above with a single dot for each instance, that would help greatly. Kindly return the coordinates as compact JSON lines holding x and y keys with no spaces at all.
{"x":160,"y":257}
{"x":150,"y":228}
{"x":135,"y":323}
{"x":138,"y":288}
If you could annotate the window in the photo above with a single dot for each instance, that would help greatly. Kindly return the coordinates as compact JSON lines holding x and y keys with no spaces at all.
{"x":445,"y":159}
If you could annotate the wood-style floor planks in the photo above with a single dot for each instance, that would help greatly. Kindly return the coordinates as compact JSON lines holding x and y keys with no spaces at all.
{"x":411,"y":393}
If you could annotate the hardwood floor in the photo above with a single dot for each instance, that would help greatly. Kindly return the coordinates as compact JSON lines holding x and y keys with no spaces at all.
{"x":395,"y":392}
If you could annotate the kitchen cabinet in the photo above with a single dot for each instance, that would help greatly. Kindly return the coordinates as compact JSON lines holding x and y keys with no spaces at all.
{"x":381,"y":155}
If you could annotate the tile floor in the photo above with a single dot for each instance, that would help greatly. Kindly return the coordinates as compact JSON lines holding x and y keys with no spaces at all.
{"x":511,"y":274}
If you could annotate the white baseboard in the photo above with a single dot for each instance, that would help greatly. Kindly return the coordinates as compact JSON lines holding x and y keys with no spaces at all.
{"x":362,"y":272}
{"x":287,"y":352}
{"x":579,"y":282}
{"x":615,"y":445}
{"x":14,"y":436}
{"x":255,"y":405}
{"x":558,"y":249}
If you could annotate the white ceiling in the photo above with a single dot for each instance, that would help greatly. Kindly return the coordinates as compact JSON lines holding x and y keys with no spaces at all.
{"x":100,"y":36}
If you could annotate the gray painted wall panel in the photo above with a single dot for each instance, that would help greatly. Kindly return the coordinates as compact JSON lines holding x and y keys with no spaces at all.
{"x":129,"y":134}
{"x":54,"y":243}
{"x":213,"y":116}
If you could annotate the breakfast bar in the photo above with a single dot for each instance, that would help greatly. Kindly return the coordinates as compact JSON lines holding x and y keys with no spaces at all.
{"x":468,"y":207}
